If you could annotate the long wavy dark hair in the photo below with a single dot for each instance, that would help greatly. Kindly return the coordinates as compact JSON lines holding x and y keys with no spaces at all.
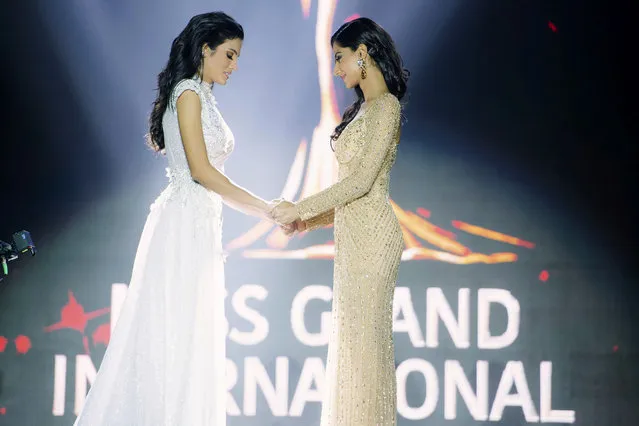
{"x":382,"y":50}
{"x":185,"y":59}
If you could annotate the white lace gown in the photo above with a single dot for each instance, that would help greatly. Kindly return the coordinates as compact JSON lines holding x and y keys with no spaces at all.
{"x":165,"y":362}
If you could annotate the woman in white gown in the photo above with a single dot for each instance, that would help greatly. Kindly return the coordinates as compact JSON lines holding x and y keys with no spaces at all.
{"x":165,"y":363}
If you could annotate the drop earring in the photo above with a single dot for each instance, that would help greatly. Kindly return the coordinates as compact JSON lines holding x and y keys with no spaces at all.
{"x":362,"y":67}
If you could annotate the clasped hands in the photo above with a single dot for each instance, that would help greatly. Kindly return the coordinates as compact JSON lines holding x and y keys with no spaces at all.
{"x":285,"y":214}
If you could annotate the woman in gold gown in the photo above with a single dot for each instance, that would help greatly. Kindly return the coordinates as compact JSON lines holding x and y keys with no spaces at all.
{"x":360,"y":373}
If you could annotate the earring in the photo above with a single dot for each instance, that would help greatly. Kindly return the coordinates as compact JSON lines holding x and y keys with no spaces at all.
{"x":362,"y":67}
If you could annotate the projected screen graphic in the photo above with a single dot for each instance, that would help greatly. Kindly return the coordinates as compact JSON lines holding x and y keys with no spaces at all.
{"x":487,"y":325}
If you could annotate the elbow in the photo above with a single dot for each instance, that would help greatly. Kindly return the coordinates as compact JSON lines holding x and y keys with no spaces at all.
{"x":364,"y":188}
{"x":198,"y":175}
{"x":205,"y":177}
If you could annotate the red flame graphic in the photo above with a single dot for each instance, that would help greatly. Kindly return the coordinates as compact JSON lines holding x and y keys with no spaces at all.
{"x":73,"y":316}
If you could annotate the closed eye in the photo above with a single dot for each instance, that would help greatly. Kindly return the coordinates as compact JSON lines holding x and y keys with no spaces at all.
{"x":231,"y":54}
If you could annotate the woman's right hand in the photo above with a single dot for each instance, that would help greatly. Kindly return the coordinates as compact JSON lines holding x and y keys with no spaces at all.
{"x":297,"y":226}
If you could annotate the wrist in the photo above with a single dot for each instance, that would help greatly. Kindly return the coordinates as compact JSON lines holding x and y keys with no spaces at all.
{"x":264,"y":206}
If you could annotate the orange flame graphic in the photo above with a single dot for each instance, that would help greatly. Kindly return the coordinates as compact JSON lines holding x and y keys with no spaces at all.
{"x":321,"y":172}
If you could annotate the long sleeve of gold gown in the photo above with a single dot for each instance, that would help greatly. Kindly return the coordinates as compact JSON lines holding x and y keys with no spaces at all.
{"x":384,"y":116}
{"x":321,"y":220}
{"x":360,"y":370}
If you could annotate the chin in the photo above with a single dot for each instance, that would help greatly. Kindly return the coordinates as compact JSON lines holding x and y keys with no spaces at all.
{"x":350,"y":84}
{"x":221,"y":81}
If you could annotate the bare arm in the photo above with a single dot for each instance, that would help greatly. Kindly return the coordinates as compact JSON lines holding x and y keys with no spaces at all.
{"x":384,"y":125}
{"x":189,"y":111}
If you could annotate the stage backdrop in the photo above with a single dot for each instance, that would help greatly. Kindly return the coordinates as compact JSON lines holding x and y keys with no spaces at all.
{"x":506,"y":309}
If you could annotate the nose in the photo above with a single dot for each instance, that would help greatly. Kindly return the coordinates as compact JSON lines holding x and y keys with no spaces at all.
{"x":234,"y":65}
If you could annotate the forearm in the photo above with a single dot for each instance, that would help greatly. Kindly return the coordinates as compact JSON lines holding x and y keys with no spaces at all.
{"x":251,"y":211}
{"x":338,"y":194}
{"x":232,"y":194}
{"x":320,"y":221}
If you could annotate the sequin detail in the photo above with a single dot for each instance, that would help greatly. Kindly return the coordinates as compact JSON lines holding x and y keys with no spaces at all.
{"x":360,"y":370}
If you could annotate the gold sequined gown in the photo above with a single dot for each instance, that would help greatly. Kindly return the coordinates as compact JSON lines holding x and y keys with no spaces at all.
{"x":360,"y":369}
